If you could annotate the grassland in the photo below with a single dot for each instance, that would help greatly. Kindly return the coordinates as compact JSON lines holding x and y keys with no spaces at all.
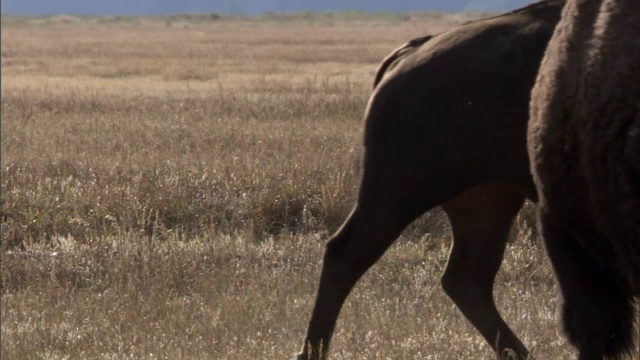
{"x":168,"y":185}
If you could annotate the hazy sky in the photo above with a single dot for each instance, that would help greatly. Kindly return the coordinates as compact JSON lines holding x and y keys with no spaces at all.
{"x":244,"y":7}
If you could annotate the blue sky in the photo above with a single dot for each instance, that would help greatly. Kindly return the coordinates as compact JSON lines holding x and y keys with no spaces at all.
{"x":243,"y":7}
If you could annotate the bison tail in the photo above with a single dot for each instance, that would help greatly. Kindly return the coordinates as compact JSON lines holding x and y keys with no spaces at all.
{"x":397,"y":54}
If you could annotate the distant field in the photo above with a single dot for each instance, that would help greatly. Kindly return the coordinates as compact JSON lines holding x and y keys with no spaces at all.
{"x":168,"y":185}
{"x":305,"y":18}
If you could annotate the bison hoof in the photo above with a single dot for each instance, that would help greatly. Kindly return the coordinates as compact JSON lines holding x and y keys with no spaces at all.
{"x":305,"y":356}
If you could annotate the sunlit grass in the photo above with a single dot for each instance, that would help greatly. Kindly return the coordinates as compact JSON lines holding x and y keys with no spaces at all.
{"x":167,"y":191}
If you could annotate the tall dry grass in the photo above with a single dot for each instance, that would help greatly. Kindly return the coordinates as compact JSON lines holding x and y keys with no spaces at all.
{"x":167,"y":187}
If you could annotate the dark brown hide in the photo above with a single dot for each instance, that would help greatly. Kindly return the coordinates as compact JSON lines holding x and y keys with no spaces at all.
{"x":584,"y":145}
{"x":445,"y":125}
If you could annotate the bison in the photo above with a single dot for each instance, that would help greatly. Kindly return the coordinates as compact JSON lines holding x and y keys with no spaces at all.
{"x":445,"y":125}
{"x":584,"y":145}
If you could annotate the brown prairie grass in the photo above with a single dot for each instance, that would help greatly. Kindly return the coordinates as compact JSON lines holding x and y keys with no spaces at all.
{"x":167,"y":187}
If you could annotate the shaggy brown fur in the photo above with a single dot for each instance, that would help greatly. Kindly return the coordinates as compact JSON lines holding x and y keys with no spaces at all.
{"x":584,"y":145}
{"x":445,"y":125}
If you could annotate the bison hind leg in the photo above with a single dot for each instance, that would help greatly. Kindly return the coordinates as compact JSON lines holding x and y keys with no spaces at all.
{"x":598,"y":314}
{"x":480,"y":219}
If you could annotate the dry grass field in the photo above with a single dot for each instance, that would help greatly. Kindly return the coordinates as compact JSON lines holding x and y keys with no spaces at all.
{"x":168,"y":185}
